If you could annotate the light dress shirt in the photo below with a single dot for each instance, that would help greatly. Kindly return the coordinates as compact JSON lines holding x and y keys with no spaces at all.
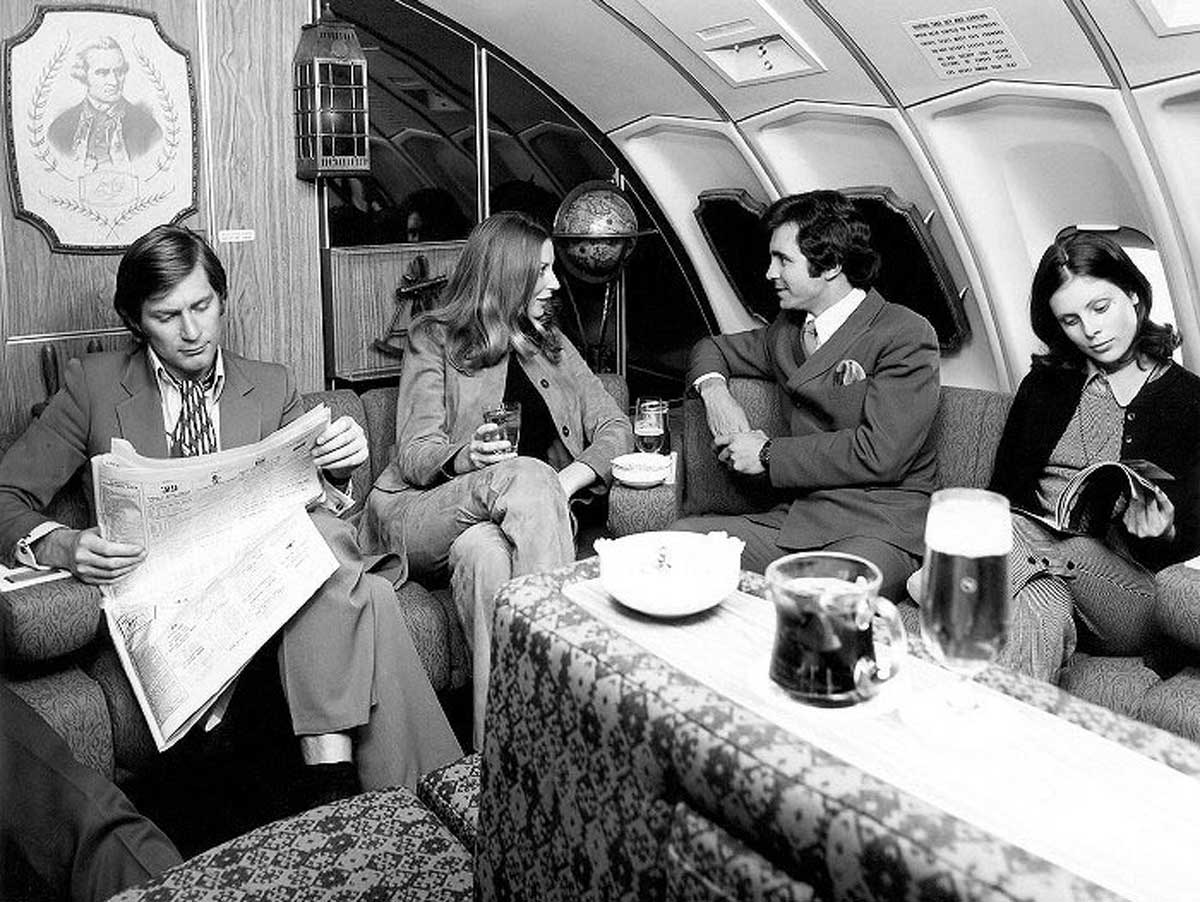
{"x":827,"y":322}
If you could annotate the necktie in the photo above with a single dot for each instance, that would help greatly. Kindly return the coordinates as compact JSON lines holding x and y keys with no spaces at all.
{"x":808,"y":337}
{"x":194,"y":432}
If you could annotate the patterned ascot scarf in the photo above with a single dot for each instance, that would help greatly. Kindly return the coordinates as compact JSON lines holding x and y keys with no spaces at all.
{"x":194,"y":433}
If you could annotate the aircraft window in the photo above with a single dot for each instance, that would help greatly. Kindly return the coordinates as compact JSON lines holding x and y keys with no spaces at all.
{"x":422,"y":185}
{"x":913,"y":273}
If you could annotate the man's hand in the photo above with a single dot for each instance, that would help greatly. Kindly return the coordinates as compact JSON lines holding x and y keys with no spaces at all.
{"x":340,"y":449}
{"x":725,"y":415}
{"x":90,"y":557}
{"x":486,"y":449}
{"x":740,"y":452}
{"x":1150,"y":517}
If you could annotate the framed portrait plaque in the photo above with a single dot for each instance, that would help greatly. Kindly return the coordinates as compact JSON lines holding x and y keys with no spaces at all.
{"x":101,"y":126}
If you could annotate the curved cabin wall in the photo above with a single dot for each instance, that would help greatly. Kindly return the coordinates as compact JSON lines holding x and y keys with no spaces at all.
{"x":1084,"y":129}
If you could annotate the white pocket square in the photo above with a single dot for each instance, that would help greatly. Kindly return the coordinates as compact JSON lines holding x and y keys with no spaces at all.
{"x":847,"y":372}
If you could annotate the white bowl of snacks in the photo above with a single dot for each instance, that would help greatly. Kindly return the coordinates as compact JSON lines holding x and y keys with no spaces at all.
{"x":642,"y":469}
{"x":670,"y":574}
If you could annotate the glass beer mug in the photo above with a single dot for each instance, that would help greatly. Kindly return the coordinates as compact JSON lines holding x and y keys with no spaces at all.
{"x":836,"y":640}
{"x":964,"y":592}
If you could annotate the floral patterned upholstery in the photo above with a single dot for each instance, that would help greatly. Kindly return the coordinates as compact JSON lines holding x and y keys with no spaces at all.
{"x":966,"y":431}
{"x":593,"y":744}
{"x":452,"y":793}
{"x":56,"y":655}
{"x":378,"y":846}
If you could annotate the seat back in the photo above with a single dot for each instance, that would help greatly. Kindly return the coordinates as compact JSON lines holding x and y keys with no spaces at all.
{"x":966,"y":431}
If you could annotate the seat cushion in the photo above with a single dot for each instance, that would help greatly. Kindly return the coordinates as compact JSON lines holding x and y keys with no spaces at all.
{"x":452,"y":793}
{"x":437,"y":635}
{"x":1173,"y":704}
{"x":1116,"y":683}
{"x":377,"y":846}
{"x":72,"y":703}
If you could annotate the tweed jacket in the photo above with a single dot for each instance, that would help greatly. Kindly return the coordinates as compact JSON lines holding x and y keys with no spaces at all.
{"x":858,"y":458}
{"x":439,"y":408}
{"x":1162,"y":425}
{"x":114,"y":395}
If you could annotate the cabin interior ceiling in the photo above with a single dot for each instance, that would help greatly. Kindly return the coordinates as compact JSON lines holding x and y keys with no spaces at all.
{"x":1001,"y":160}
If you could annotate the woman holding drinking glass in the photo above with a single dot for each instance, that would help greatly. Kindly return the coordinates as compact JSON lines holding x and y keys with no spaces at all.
{"x":457,"y":497}
{"x":1106,"y":389}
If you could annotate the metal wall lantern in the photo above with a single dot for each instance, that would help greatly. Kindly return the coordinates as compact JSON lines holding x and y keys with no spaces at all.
{"x":330,"y":94}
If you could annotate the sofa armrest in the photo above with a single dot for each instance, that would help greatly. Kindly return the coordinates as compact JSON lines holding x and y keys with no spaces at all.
{"x":48,"y":620}
{"x":642,"y":510}
{"x":1177,"y":608}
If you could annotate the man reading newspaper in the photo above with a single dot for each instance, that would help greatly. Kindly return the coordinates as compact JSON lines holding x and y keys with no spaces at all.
{"x":354,"y":687}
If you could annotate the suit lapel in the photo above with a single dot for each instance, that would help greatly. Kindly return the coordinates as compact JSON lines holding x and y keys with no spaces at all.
{"x":838,"y":346}
{"x":139,"y":413}
{"x":241,"y":420}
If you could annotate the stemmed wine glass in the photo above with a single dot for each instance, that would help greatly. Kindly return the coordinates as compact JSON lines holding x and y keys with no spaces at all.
{"x":650,"y":424}
{"x":964,"y":595}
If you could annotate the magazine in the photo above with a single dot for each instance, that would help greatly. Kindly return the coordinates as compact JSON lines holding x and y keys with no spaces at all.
{"x":1098,"y":494}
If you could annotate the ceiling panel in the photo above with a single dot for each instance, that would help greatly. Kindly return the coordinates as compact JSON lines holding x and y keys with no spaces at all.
{"x":1146,"y":56}
{"x":1011,"y":40}
{"x":586,"y":54}
{"x":697,"y":32}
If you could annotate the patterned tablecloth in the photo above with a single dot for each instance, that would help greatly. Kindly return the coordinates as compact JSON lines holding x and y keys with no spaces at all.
{"x":609,"y":773}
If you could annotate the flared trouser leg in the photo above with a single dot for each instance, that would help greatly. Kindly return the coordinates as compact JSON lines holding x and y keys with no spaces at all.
{"x":347,"y":662}
{"x":485,"y":527}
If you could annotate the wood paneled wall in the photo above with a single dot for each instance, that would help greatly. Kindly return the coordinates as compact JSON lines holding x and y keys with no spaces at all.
{"x":241,"y":52}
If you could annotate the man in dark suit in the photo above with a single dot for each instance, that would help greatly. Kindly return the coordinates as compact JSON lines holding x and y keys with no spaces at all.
{"x":359,"y":700}
{"x":858,"y":381}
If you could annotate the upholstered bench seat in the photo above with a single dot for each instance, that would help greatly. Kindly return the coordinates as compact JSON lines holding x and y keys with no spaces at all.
{"x":379,"y":846}
{"x":452,"y":793}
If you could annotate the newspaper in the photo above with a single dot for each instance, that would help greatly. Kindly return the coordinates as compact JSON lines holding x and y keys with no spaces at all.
{"x":230,"y":556}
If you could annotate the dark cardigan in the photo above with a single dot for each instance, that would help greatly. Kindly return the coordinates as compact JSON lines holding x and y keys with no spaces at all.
{"x":1162,"y":425}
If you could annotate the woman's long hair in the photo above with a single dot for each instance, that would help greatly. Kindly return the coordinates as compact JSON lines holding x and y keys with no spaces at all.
{"x":1095,"y":254}
{"x":484,"y":308}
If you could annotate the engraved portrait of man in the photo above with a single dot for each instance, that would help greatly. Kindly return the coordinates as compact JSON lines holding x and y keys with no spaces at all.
{"x":104,"y":130}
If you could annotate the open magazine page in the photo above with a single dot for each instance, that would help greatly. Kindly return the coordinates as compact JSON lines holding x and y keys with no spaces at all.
{"x":172,"y":507}
{"x":1099,"y":493}
{"x":183,"y":651}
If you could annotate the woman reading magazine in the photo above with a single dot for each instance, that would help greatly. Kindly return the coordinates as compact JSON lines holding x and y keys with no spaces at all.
{"x":1105,"y":390}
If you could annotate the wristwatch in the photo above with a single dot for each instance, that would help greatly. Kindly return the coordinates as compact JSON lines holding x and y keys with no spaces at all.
{"x":764,"y":455}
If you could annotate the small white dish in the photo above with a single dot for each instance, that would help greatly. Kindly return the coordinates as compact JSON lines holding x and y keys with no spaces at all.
{"x":642,"y":469}
{"x":670,"y":574}
{"x":637,"y":480}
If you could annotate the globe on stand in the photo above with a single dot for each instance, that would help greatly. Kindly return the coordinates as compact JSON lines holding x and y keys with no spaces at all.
{"x":595,"y":230}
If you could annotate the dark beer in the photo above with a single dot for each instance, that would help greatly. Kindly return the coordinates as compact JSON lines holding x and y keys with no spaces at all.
{"x":825,"y":657}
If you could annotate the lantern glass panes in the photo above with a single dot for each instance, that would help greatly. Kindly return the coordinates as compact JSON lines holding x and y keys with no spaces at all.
{"x":330,"y":74}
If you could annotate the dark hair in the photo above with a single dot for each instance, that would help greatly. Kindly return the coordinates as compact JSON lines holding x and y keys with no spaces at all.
{"x":157,"y":262}
{"x":1095,"y":254}
{"x":484,"y":308}
{"x":830,"y":232}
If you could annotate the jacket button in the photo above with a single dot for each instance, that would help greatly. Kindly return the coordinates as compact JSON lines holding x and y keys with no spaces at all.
{"x":1129,"y":439}
{"x":566,"y":430}
{"x":1131,"y":415}
{"x":545,"y":383}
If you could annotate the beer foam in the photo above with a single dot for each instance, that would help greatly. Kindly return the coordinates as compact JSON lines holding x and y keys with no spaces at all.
{"x":968,"y":528}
